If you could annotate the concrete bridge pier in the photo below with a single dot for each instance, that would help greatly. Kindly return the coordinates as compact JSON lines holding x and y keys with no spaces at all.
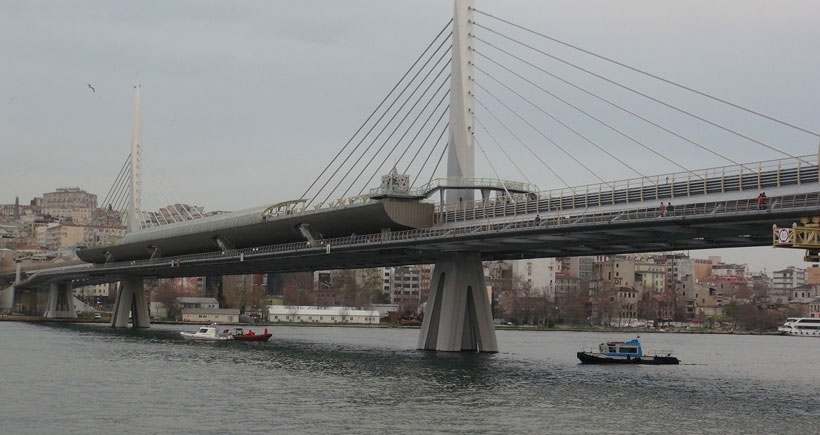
{"x":130,"y":300}
{"x":60,"y":302}
{"x":458,"y":316}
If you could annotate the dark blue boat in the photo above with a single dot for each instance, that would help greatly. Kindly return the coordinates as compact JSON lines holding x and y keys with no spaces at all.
{"x":625,"y":352}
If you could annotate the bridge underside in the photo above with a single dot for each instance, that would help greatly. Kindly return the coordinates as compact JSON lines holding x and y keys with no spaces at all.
{"x":251,"y":228}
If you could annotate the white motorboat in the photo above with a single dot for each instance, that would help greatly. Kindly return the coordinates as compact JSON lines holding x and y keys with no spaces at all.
{"x":210,"y":332}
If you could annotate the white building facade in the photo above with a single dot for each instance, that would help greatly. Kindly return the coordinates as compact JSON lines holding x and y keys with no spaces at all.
{"x":295,"y":314}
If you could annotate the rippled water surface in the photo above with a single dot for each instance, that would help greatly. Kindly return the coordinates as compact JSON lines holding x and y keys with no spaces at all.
{"x":92,"y":379}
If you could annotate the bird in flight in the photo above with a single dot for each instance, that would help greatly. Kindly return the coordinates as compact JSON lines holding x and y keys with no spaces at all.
{"x":92,"y":88}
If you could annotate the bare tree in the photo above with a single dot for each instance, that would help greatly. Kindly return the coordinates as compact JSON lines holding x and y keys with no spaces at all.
{"x":237,"y":292}
{"x":372,"y":288}
{"x":166,"y":294}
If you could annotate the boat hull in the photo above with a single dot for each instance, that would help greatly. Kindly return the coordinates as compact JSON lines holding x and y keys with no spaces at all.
{"x":191,"y":336}
{"x":259,"y":337}
{"x":596,"y":358}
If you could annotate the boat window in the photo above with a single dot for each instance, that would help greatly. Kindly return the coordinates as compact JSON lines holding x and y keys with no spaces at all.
{"x":612,"y":348}
{"x":629,"y":349}
{"x":203,"y":330}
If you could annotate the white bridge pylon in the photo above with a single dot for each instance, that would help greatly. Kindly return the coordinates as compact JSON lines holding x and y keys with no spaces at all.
{"x":458,"y":316}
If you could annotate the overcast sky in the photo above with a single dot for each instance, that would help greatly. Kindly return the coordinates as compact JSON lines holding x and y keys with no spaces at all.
{"x":245,"y":102}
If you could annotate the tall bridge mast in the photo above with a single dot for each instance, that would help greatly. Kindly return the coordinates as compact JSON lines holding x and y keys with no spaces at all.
{"x":460,"y":153}
{"x":136,"y":164}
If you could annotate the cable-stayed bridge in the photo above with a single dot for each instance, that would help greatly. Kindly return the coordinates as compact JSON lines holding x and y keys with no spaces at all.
{"x":341,"y":221}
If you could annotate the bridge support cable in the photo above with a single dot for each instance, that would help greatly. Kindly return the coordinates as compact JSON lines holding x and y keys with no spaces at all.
{"x":647,"y":96}
{"x":383,"y":129}
{"x":120,"y":200}
{"x":60,"y":304}
{"x":458,"y":315}
{"x":594,"y":95}
{"x":172,"y":197}
{"x":130,"y":300}
{"x":524,"y":144}
{"x":579,"y":134}
{"x":106,"y":200}
{"x":421,"y":129}
{"x":376,"y":110}
{"x":412,"y":124}
{"x":492,"y":168}
{"x":440,"y":159}
{"x":400,"y":109}
{"x":501,"y":148}
{"x":117,"y":198}
{"x":654,"y":76}
{"x":426,"y":140}
{"x":542,"y":134}
{"x":435,"y":168}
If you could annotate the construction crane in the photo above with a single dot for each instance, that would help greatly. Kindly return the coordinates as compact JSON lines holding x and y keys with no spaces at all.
{"x":804,"y":236}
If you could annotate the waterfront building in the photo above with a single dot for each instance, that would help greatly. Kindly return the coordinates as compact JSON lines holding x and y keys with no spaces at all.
{"x":195,"y":302}
{"x":701,"y":299}
{"x":210,"y":315}
{"x":618,"y":271}
{"x":805,"y":291}
{"x":296,"y":314}
{"x":805,"y":306}
{"x":538,"y":274}
{"x":68,"y":198}
{"x":91,"y":294}
{"x":813,"y":275}
{"x":650,"y":276}
{"x":703,"y":267}
{"x":405,"y":286}
{"x":783,"y":281}
{"x":678,"y":267}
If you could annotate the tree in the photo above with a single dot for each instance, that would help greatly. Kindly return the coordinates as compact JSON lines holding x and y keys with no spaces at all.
{"x":299,"y":289}
{"x":237,"y":292}
{"x":166,"y":294}
{"x":372,"y":287}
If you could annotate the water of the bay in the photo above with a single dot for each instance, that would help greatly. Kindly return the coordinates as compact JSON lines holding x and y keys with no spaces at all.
{"x":92,"y":379}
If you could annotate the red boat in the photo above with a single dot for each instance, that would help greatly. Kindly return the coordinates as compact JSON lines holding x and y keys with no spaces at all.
{"x":239,"y":334}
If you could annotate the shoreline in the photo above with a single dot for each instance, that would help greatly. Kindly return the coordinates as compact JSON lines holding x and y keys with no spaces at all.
{"x":38,"y":319}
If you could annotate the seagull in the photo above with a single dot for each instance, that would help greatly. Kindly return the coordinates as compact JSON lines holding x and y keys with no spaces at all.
{"x":92,"y":88}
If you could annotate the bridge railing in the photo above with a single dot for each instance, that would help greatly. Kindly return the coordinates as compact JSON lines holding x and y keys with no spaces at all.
{"x":809,"y":202}
{"x":752,"y":177}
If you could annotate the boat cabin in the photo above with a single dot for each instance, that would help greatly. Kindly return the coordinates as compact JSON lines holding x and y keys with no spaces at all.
{"x":631,"y":348}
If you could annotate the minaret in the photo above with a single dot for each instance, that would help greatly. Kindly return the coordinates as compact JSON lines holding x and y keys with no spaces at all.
{"x":136,"y":164}
{"x":460,"y":153}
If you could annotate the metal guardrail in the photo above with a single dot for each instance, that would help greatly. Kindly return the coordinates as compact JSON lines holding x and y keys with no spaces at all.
{"x":733,"y":178}
{"x":774,"y":173}
{"x":560,"y":220}
{"x":425,"y":190}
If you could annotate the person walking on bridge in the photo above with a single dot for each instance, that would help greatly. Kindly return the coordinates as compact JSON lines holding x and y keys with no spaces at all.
{"x":662,"y":209}
{"x":761,"y":201}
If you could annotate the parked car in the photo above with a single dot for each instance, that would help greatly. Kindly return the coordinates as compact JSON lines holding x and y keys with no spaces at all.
{"x":98,"y":315}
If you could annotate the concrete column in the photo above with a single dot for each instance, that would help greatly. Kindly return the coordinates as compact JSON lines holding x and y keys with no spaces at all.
{"x":130,"y":300}
{"x":458,"y":316}
{"x":60,"y":304}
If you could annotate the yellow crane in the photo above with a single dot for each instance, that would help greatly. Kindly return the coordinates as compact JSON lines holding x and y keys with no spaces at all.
{"x":804,"y":236}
